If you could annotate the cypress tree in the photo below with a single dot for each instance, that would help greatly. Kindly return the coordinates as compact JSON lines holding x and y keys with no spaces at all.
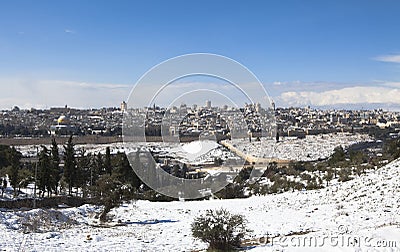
{"x":107,"y":162}
{"x":83,"y":171}
{"x":55,"y":163}
{"x":99,"y":164}
{"x":69,"y":165}
{"x":44,"y":172}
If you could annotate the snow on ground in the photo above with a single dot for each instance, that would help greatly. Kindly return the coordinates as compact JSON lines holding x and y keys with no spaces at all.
{"x":365,"y":210}
{"x":196,"y":152}
{"x":312,"y":147}
{"x":30,"y":150}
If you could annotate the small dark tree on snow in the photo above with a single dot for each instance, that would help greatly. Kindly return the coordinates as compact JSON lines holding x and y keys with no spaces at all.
{"x":109,"y":194}
{"x":220,"y":229}
{"x":344,"y":174}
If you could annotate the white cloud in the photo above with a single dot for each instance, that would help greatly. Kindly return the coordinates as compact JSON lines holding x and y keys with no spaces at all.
{"x":393,"y":84}
{"x":348,"y":95}
{"x":27,"y":93}
{"x":86,"y":84}
{"x":394,"y":58}
{"x":69,"y":31}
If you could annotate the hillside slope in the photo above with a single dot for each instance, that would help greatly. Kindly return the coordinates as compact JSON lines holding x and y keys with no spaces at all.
{"x":364,"y":211}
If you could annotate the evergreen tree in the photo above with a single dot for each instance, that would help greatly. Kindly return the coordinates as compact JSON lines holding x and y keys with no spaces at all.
{"x":338,"y":156}
{"x":184,"y":170}
{"x":14,"y":158}
{"x":4,"y":152}
{"x":99,"y":165}
{"x":55,"y":163}
{"x":328,"y":176}
{"x":344,"y":174}
{"x":107,"y":162}
{"x":69,"y":165}
{"x":109,"y":193}
{"x":83,"y":171}
{"x":44,"y":172}
{"x":221,"y":229}
{"x":127,"y":173}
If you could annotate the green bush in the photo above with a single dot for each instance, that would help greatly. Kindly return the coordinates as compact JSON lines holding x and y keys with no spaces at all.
{"x":220,"y":229}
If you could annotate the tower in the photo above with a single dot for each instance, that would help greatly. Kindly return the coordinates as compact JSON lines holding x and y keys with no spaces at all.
{"x":208,"y":104}
{"x":124,"y":106}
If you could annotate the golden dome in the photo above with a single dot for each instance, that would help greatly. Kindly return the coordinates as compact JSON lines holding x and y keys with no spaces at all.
{"x":63,"y":120}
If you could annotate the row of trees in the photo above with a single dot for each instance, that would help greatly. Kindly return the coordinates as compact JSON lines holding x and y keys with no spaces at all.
{"x":83,"y":173}
{"x":75,"y":172}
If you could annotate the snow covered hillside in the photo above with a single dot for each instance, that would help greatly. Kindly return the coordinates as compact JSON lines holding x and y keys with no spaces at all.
{"x":312,"y":147}
{"x":364,"y":211}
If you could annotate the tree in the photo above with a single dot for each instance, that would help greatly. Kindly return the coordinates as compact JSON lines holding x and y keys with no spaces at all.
{"x":392,"y":147}
{"x":83,"y":171}
{"x":44,"y":172}
{"x":344,"y":174}
{"x":25,"y":178}
{"x":107,"y":162}
{"x":109,"y":192}
{"x":69,"y":165}
{"x":4,"y":152}
{"x":218,"y":161}
{"x":220,"y":229}
{"x":328,"y":176}
{"x":14,"y":158}
{"x":127,"y":175}
{"x":184,"y":170}
{"x":99,"y":164}
{"x":337,"y":156}
{"x":55,"y":166}
{"x":231,"y":191}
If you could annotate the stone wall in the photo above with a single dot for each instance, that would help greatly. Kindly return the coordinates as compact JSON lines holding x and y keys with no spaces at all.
{"x":51,"y":202}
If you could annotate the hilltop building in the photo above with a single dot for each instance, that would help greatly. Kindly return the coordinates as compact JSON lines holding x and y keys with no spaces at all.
{"x":63,"y":127}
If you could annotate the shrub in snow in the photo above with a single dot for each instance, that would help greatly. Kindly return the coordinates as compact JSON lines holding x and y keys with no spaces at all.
{"x":220,"y":229}
{"x":344,"y":174}
{"x":44,"y":220}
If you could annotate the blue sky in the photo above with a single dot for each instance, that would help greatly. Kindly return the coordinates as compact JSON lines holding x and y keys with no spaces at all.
{"x":296,"y":48}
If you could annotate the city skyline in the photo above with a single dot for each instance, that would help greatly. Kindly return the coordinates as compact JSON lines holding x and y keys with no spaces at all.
{"x":88,"y":56}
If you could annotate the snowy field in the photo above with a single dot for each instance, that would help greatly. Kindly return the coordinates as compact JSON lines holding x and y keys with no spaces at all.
{"x":312,"y":147}
{"x":30,"y":150}
{"x":196,"y":152}
{"x":364,"y":211}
